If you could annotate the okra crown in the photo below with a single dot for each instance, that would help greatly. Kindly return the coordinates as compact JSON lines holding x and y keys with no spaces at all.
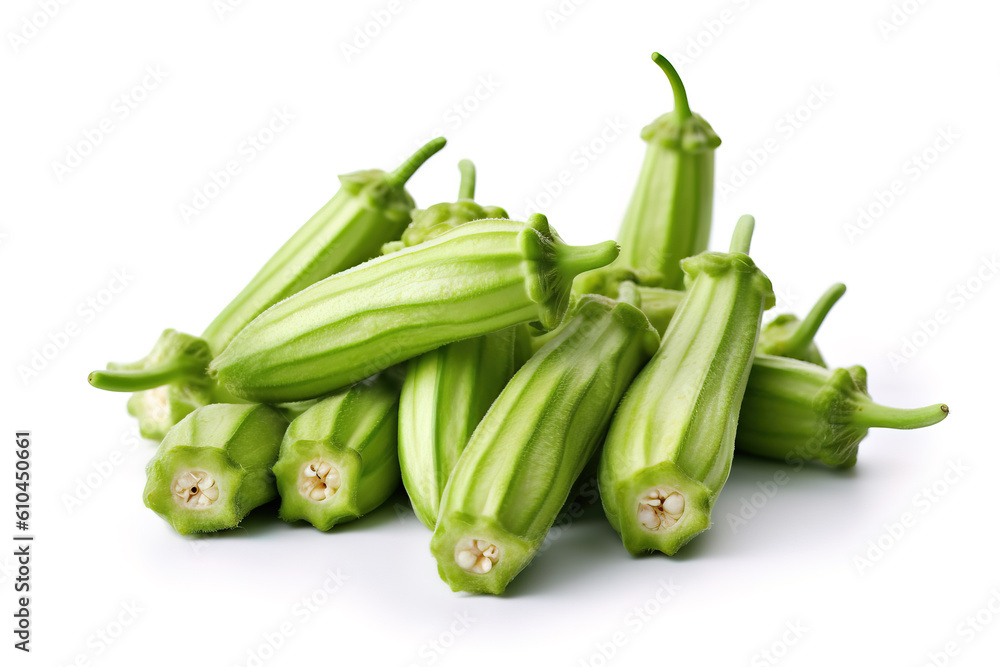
{"x":176,"y":358}
{"x":787,"y":336}
{"x":438,"y":219}
{"x":680,"y":129}
{"x":717,"y":263}
{"x":551,"y":266}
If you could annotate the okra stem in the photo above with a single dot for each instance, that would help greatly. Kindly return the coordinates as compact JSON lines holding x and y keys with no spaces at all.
{"x":874,"y":415}
{"x":467,"y":188}
{"x":806,"y":331}
{"x":742,"y":235}
{"x":681,"y":107}
{"x":574,"y":260}
{"x":170,"y":371}
{"x":398,"y":178}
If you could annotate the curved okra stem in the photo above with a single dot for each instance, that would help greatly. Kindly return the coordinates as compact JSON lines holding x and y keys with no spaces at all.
{"x":526,"y":454}
{"x":338,"y":458}
{"x":670,"y":445}
{"x":478,"y":278}
{"x":670,"y":214}
{"x":214,"y":466}
{"x":467,"y":187}
{"x":796,"y":411}
{"x":786,"y":336}
{"x":371,"y":208}
{"x":440,"y":218}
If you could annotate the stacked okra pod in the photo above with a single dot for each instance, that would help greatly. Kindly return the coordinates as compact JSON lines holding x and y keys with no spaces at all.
{"x":485,"y":364}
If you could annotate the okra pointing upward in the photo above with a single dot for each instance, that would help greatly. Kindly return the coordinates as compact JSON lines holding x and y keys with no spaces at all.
{"x":670,"y":445}
{"x":478,"y":278}
{"x":670,"y":214}
{"x":786,"y":336}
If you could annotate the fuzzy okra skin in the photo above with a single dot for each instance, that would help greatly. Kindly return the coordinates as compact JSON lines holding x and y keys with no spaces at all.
{"x":478,"y":278}
{"x":338,"y":459}
{"x":214,"y":466}
{"x":787,"y":336}
{"x":670,"y":214}
{"x":795,"y":411}
{"x":525,"y":456}
{"x":671,"y":443}
{"x":448,"y":390}
{"x":446,"y":393}
{"x":371,"y":208}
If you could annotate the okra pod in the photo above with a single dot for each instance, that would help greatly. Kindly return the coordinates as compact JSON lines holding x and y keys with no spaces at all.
{"x":371,"y":208}
{"x":787,"y":336}
{"x":796,"y":411}
{"x":524,"y":457}
{"x":670,"y":445}
{"x":214,"y":466}
{"x":338,"y":458}
{"x":448,"y":390}
{"x":670,"y":214}
{"x":478,"y":278}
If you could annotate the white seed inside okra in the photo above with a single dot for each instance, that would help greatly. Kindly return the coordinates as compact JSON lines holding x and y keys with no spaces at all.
{"x":195,"y":489}
{"x":319,"y":480}
{"x":660,"y":508}
{"x":476,"y":556}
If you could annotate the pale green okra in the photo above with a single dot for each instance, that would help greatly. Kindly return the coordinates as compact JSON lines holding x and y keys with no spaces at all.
{"x":214,"y":466}
{"x":671,"y":443}
{"x":338,"y":459}
{"x":448,"y":390}
{"x":670,"y":214}
{"x":371,"y":208}
{"x":524,"y":457}
{"x":478,"y":278}
{"x":795,"y":411}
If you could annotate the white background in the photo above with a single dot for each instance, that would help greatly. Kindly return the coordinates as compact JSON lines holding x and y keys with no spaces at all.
{"x":557,"y":83}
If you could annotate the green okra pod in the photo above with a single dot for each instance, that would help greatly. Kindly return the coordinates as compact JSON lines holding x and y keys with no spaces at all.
{"x":338,"y":458}
{"x":214,"y":466}
{"x":448,"y":390}
{"x":478,"y":278}
{"x":670,"y":214}
{"x":525,"y":456}
{"x":670,"y":446}
{"x":796,"y":411}
{"x":371,"y":208}
{"x":787,"y":336}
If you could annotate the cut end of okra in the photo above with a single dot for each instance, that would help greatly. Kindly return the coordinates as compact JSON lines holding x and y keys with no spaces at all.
{"x":666,"y":510}
{"x":475,"y":555}
{"x":680,"y":129}
{"x":318,"y":482}
{"x":553,"y":266}
{"x":159,"y":409}
{"x":214,"y":466}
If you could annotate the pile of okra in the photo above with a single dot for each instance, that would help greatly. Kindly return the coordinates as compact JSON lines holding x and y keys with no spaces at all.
{"x":486,"y":365}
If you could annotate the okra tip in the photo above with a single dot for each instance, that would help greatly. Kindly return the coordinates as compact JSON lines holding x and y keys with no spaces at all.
{"x":467,"y":187}
{"x":880,"y":416}
{"x":806,"y":331}
{"x":742,"y":235}
{"x":402,"y":174}
{"x":681,"y":106}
